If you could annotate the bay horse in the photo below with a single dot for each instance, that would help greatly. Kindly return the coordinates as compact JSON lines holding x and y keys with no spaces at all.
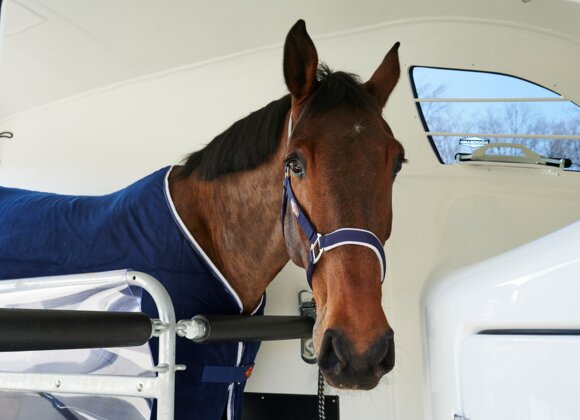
{"x":326,"y":147}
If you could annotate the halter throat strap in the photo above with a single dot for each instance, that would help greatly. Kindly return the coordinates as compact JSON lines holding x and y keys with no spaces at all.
{"x":319,"y":243}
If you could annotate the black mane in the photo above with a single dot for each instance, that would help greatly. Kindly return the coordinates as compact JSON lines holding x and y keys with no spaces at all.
{"x":243,"y":146}
{"x":338,"y":87}
{"x":253,"y":139}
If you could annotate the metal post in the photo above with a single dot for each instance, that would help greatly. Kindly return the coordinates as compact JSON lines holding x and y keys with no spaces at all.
{"x":165,"y":384}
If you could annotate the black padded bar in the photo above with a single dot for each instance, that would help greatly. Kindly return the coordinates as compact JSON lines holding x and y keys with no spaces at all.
{"x":255,"y":328}
{"x":47,"y":329}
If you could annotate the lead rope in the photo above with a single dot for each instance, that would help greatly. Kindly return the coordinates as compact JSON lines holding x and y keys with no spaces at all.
{"x":321,"y":406}
{"x":321,"y":383}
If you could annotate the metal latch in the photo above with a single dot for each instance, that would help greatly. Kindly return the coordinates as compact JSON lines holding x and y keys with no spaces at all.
{"x":307,"y":308}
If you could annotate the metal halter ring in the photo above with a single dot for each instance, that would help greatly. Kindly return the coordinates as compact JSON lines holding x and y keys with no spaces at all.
{"x":316,"y":243}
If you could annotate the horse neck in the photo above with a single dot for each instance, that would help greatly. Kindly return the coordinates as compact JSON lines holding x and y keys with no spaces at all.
{"x":236,"y":221}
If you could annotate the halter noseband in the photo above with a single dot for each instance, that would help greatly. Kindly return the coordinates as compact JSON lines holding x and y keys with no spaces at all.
{"x":321,"y":243}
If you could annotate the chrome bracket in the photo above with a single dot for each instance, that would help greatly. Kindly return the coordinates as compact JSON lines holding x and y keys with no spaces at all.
{"x":307,"y":308}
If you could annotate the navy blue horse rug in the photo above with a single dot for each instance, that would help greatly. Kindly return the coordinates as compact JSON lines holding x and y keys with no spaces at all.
{"x":138,"y":228}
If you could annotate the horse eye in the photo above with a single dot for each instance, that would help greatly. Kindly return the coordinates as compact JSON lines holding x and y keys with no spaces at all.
{"x":296,"y":168}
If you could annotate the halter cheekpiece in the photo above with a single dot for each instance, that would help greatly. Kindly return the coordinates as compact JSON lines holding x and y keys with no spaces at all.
{"x":319,"y":243}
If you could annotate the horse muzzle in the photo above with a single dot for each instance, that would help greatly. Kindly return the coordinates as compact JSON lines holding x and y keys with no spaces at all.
{"x":344,"y":368}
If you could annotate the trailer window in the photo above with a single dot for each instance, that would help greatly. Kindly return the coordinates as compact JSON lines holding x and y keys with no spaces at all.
{"x":463,"y":110}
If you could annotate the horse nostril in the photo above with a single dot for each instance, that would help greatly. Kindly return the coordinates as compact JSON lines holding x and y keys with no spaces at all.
{"x":379,"y":350}
{"x":387,"y":358}
{"x":344,"y":368}
{"x":334,"y":356}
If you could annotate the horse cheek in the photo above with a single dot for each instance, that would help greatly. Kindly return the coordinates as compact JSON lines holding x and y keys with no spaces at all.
{"x":296,"y":252}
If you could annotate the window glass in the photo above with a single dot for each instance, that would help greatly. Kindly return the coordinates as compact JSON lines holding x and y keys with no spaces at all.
{"x":464,"y":110}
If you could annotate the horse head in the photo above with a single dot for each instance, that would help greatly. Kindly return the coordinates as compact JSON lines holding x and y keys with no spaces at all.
{"x":341,"y":160}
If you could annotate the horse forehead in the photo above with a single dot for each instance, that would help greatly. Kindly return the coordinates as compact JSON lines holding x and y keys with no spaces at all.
{"x":342,"y":130}
{"x":348,"y":121}
{"x":357,"y":139}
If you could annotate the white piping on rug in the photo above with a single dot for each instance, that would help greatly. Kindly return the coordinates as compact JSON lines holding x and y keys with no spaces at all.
{"x":196,"y":245}
{"x":259,"y":304}
{"x":220,"y":276}
{"x":232,"y":386}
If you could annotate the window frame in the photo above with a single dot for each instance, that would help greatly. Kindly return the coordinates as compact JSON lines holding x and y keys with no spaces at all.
{"x":418,"y":102}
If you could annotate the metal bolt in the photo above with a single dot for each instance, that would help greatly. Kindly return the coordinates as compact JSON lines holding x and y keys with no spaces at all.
{"x":139,"y":387}
{"x":57,"y":384}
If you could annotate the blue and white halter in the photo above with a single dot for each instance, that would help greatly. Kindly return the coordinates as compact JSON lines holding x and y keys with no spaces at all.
{"x":319,"y":243}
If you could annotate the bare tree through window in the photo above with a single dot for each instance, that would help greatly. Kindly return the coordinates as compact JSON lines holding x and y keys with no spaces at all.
{"x":507,"y":118}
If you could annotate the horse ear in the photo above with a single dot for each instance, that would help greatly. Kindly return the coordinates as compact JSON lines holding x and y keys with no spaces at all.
{"x":300,"y":62}
{"x":385,"y":78}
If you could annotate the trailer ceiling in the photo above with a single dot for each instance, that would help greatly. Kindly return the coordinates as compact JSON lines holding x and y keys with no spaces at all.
{"x":54,"y":49}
